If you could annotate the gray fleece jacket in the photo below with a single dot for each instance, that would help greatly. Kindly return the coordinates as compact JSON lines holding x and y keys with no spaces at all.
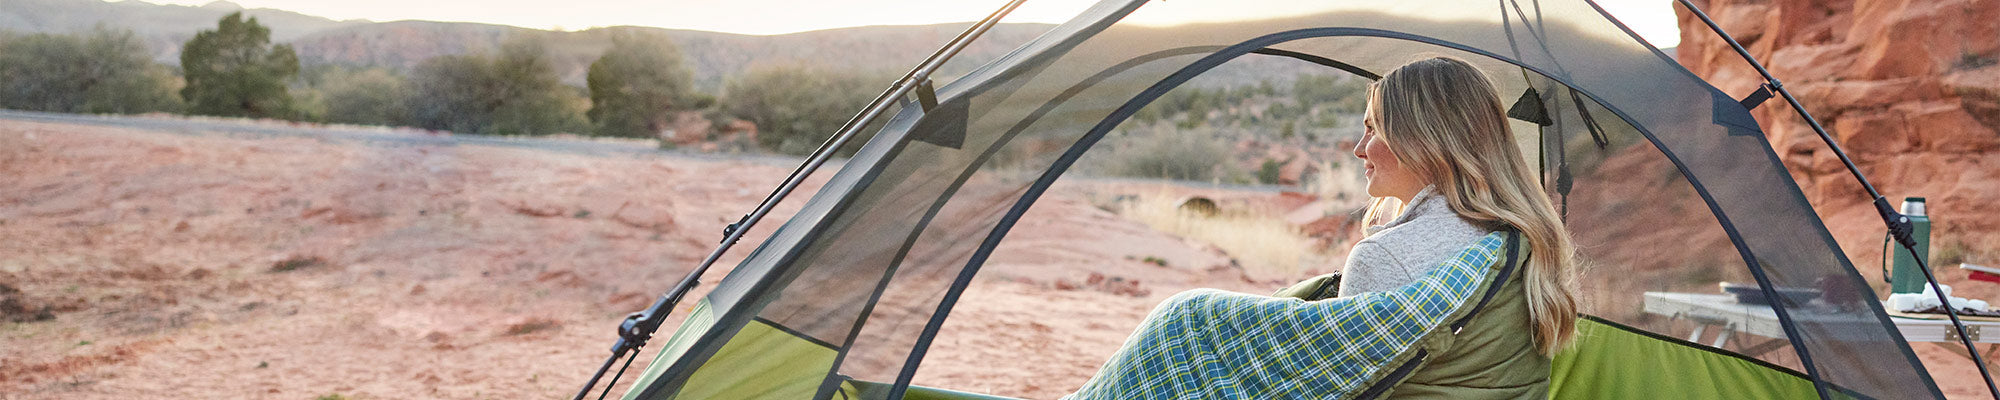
{"x":1396,"y":253}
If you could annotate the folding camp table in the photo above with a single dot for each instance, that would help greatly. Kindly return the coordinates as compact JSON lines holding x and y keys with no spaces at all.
{"x":1729,"y":318}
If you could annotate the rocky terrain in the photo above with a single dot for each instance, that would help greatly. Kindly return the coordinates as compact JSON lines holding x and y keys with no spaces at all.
{"x":1910,"y":89}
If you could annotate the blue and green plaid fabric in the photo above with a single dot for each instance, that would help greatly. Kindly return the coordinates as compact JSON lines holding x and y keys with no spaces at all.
{"x":1212,"y":344}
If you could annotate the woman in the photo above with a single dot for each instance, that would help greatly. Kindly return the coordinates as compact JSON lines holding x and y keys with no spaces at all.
{"x":1463,"y":294}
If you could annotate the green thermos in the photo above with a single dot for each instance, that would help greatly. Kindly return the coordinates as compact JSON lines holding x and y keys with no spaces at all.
{"x":1905,"y":277}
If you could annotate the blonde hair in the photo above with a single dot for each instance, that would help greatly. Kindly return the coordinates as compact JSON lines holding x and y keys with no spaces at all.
{"x":1443,"y":121}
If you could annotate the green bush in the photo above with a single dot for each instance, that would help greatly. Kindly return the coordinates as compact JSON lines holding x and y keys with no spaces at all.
{"x":371,"y":96}
{"x":513,"y":93}
{"x":637,"y":85}
{"x":101,"y":72}
{"x":1160,"y":152}
{"x":1269,"y":172}
{"x":797,"y":107}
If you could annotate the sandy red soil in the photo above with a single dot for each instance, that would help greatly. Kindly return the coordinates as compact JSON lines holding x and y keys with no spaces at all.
{"x":210,"y":265}
{"x":422,"y":271}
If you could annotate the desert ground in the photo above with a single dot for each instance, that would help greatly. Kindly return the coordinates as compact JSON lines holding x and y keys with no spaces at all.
{"x":184,"y":263}
{"x":171,"y":259}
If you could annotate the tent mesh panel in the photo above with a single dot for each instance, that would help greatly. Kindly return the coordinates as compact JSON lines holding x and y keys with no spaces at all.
{"x":1676,"y":191}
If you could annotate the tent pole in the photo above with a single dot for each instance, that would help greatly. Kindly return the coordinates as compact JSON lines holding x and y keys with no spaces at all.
{"x":638,"y":327}
{"x":1898,"y":224}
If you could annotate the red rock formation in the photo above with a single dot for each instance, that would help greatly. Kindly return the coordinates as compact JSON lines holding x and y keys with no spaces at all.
{"x":1910,"y":89}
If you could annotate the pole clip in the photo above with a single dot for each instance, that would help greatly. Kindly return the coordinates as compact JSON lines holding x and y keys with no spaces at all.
{"x":1757,"y":98}
{"x":731,"y":229}
{"x":1900,"y":226}
{"x":927,"y":95}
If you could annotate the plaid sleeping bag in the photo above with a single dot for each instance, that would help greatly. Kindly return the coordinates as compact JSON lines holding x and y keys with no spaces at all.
{"x":1212,"y":344}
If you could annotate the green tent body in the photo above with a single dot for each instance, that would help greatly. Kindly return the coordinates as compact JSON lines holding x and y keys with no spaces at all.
{"x":1668,"y":184}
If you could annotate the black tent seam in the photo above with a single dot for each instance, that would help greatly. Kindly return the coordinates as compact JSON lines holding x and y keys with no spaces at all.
{"x":734,"y":319}
{"x":1589,"y":123}
{"x":1233,"y":51}
{"x":1649,"y":47}
{"x":1882,"y":317}
{"x":1713,"y":350}
{"x":916,"y":356}
{"x":889,"y":273}
{"x":829,"y":383}
{"x":1847,"y":266}
{"x":686,"y":364}
{"x":1749,"y":260}
{"x":790,"y":331}
{"x":909,"y":243}
{"x":1696,"y":346}
{"x":1541,"y":37}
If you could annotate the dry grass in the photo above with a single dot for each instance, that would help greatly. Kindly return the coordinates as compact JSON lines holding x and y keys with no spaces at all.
{"x":1340,"y":181}
{"x":1266,"y":246}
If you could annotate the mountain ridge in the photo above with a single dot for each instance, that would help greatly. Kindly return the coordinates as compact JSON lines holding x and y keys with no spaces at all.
{"x":714,"y":57}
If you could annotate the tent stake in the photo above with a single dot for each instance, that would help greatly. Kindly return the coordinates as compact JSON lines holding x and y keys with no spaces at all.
{"x":638,"y":327}
{"x":1899,"y":225}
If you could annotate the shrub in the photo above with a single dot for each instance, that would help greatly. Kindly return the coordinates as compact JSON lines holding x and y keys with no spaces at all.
{"x":1161,"y":152}
{"x":637,"y":85}
{"x":104,"y":71}
{"x":797,"y":107}
{"x":373,"y":96}
{"x":513,"y":93}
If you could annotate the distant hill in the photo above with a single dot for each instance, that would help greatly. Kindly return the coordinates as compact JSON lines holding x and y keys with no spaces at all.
{"x":403,"y":44}
{"x":714,"y":56}
{"x":162,"y":27}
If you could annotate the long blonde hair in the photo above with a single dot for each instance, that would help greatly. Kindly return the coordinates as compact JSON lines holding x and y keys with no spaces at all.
{"x":1442,"y":120}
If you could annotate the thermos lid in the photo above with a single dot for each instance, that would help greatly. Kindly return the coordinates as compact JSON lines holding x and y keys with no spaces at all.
{"x":1914,"y":206}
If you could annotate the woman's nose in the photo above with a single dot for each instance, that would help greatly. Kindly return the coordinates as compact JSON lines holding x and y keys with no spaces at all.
{"x":1360,"y":145}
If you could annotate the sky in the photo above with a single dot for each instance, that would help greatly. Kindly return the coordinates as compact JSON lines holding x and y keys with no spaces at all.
{"x":1652,"y":19}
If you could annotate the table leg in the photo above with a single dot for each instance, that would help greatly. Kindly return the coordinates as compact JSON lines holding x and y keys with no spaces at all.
{"x":1959,"y":350}
{"x":1765,"y":347}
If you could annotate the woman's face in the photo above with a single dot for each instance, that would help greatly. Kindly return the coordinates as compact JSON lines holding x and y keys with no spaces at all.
{"x":1386,"y":177}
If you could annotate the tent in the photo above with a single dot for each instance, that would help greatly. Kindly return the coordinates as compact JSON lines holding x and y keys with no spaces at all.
{"x":1667,"y":182}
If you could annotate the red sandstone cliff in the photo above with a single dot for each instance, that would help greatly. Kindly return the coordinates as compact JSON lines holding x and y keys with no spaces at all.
{"x":1910,"y":88}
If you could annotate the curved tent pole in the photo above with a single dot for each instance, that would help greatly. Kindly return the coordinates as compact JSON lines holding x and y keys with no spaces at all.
{"x":638,"y":327}
{"x":1899,"y":225}
{"x":1097,"y":132}
{"x":902,"y":383}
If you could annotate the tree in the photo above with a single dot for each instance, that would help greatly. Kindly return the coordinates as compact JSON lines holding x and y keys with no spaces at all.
{"x":516,"y":93}
{"x":637,"y":85}
{"x":796,"y":107}
{"x":105,"y":71}
{"x":234,"y":71}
